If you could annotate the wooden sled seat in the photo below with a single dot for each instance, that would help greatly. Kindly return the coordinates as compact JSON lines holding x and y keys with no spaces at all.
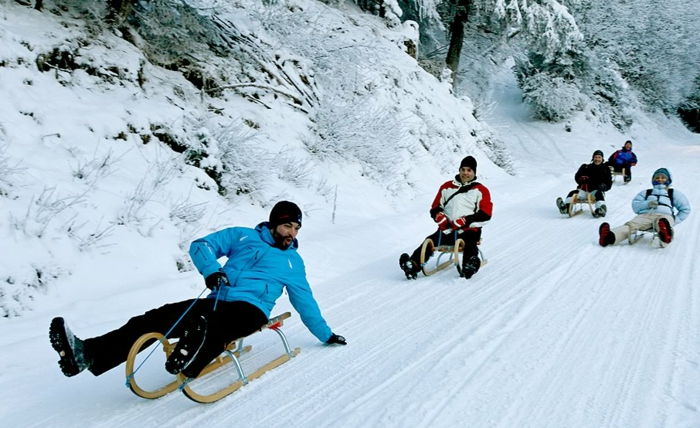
{"x":453,"y":253}
{"x":620,"y":173}
{"x":231,"y":354}
{"x":576,"y":205}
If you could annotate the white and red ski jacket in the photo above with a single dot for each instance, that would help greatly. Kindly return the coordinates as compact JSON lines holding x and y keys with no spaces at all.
{"x":471,"y":200}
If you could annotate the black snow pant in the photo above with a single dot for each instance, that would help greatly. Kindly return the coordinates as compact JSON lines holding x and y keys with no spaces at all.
{"x":628,"y":171}
{"x":597,"y":194}
{"x":230,"y":321}
{"x":470,"y":237}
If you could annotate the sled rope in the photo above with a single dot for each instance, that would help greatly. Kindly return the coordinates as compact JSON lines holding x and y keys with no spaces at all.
{"x":165,"y":337}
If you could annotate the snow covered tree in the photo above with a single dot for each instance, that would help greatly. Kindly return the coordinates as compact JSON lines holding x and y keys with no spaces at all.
{"x":689,"y":110}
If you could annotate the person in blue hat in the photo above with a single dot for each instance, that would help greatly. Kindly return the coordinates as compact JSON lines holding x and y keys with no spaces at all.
{"x":659,"y":208}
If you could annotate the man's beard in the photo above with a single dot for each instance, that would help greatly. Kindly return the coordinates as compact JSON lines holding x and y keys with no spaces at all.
{"x":280,"y":240}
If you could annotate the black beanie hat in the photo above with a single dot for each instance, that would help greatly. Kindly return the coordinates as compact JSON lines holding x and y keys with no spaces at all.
{"x":284,"y":212}
{"x":598,"y":152}
{"x":468,"y":162}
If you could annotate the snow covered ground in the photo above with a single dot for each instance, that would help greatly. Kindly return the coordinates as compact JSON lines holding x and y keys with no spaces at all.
{"x":555,"y":331}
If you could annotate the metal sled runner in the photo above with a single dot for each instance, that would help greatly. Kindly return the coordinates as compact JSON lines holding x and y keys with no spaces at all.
{"x":231,"y":354}
{"x":639,"y":234}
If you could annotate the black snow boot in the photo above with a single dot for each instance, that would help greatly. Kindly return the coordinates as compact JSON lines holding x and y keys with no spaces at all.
{"x":188,"y":346}
{"x":563,"y":208}
{"x":408,"y":266}
{"x":470,"y":266}
{"x":600,"y":211}
{"x":69,"y":348}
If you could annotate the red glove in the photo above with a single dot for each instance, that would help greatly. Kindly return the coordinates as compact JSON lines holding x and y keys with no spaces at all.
{"x":459,"y":223}
{"x":442,"y":221}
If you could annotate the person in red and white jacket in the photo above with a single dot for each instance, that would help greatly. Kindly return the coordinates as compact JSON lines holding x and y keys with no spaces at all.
{"x":460,"y":208}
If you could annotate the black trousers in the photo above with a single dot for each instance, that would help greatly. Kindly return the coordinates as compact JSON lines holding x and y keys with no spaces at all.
{"x":597,"y":194}
{"x":628,"y":170}
{"x":230,"y":321}
{"x":470,"y":237}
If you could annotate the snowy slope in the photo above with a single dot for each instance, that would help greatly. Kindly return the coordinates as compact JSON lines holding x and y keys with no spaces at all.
{"x":555,"y":331}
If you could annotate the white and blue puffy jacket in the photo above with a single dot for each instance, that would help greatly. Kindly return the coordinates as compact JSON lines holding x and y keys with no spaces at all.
{"x":680,"y":209}
{"x":258,"y":272}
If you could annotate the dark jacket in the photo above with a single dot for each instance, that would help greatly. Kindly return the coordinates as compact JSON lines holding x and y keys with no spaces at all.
{"x":590,"y":177}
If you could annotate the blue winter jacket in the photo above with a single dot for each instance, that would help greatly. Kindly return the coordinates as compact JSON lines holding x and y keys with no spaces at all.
{"x":623,"y":157}
{"x":258,"y":272}
{"x":659,"y":193}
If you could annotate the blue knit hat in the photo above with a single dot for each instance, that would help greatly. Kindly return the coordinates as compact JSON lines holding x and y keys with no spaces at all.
{"x":663,"y":171}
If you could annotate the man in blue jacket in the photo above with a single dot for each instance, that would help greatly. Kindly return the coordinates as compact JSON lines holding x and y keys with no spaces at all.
{"x":623,"y":159}
{"x":261,"y":263}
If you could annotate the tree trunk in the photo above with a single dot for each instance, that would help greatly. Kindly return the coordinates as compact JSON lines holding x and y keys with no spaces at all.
{"x":457,"y":36}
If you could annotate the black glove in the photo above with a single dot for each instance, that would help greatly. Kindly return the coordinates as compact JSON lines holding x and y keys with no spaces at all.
{"x":216,"y":280}
{"x":336,"y":340}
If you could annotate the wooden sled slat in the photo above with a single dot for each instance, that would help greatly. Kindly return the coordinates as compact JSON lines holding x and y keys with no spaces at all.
{"x":454,"y":252}
{"x":168,"y":348}
{"x":233,"y":387}
{"x":621,"y":173}
{"x":233,"y":351}
{"x":576,"y":205}
{"x":130,"y":360}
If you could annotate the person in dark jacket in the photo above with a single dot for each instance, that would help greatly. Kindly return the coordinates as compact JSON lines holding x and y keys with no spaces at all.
{"x":592,"y":178}
{"x":262,"y":262}
{"x":460,"y":208}
{"x":623,"y":160}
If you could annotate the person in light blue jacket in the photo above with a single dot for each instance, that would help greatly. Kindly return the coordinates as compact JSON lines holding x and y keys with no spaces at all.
{"x":261,"y":263}
{"x":659,"y":208}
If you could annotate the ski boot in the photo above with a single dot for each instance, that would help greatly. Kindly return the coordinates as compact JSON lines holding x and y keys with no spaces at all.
{"x":600,"y":211}
{"x":664,"y":230}
{"x":470,"y":266}
{"x":188,"y":346}
{"x":563,"y":207}
{"x":69,"y":348}
{"x":408,"y":266}
{"x":605,"y":235}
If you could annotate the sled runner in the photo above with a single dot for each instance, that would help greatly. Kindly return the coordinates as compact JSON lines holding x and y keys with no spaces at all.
{"x":620,"y":173}
{"x":231,"y":354}
{"x":453,"y":253}
{"x":639,"y":234}
{"x":576,"y":205}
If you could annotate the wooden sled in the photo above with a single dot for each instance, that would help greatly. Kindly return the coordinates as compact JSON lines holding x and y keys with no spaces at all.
{"x":231,"y":354}
{"x":576,"y":205}
{"x":620,"y":173}
{"x":453,"y":253}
